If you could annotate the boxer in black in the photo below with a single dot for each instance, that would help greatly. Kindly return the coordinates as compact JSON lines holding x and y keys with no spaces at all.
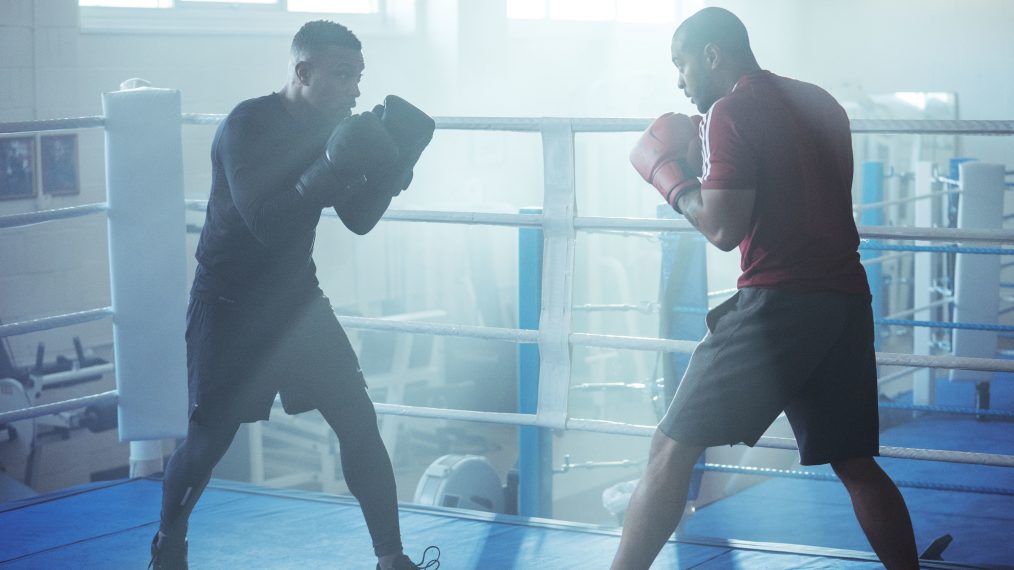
{"x":258,"y":324}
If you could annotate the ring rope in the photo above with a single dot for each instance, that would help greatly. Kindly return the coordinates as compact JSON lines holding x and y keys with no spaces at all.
{"x":91,"y":122}
{"x":688,"y":310}
{"x":945,"y":325}
{"x":665,"y":225}
{"x":886,"y":258}
{"x":998,"y":236}
{"x":948,"y":456}
{"x":948,"y":410}
{"x":31,"y":218}
{"x":647,"y":344}
{"x":526,"y":124}
{"x":442,"y":329}
{"x":871,"y":246}
{"x":813,"y":476}
{"x":57,"y":407}
{"x":950,"y":362}
{"x":878,"y":205}
{"x":53,"y":322}
{"x":967,"y":457}
{"x":648,"y":308}
{"x":926,"y":307}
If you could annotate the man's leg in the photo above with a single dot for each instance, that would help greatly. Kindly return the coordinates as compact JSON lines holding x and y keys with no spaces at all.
{"x":188,"y":473}
{"x":367,"y":468}
{"x":881,"y":511}
{"x":657,"y":504}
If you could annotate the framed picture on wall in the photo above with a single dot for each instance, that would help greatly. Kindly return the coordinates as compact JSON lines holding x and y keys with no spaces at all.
{"x":17,"y":167}
{"x":59,"y":164}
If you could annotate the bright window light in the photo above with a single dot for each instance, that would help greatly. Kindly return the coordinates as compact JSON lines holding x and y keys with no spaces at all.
{"x":334,"y":6}
{"x":231,"y":1}
{"x":634,"y":11}
{"x":915,"y":99}
{"x":591,"y":10}
{"x":526,"y":9}
{"x":320,"y":6}
{"x":646,"y":11}
{"x":127,"y":3}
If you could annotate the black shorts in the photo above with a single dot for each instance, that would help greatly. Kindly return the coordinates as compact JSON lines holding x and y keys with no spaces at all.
{"x":240,"y":356}
{"x":810,"y":354}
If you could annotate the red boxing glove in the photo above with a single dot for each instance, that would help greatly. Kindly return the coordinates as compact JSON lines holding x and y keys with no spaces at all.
{"x":660,"y":156}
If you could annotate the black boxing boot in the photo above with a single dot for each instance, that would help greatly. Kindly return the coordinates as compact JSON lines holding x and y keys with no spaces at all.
{"x":403,"y":562}
{"x":168,"y":553}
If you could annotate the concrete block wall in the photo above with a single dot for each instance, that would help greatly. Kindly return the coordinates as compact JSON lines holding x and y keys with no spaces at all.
{"x":55,"y":267}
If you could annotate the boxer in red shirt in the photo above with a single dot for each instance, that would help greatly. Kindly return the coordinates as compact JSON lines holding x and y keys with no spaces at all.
{"x":768,"y":169}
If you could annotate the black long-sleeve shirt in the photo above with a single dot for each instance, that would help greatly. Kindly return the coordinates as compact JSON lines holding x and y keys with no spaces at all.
{"x":258,"y":236}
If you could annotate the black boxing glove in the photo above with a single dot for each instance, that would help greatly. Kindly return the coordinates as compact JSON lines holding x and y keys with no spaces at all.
{"x":412,"y":130}
{"x":358,"y":145}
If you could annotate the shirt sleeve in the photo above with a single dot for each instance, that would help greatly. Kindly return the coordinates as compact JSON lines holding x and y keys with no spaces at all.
{"x":268,"y":202}
{"x":729,"y":162}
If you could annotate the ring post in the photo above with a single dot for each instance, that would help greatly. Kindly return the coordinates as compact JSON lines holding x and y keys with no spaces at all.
{"x":535,"y":451}
{"x":924,"y":379}
{"x":147,"y":267}
{"x":953,"y":200}
{"x":977,"y":277}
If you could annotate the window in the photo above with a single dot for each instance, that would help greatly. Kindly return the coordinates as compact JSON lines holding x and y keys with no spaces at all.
{"x":242,"y":16}
{"x":319,"y":6}
{"x":633,"y":11}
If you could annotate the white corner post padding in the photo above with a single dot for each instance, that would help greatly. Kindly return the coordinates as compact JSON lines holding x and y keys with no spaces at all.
{"x":147,"y":263}
{"x":977,"y":277}
{"x":559,"y":208}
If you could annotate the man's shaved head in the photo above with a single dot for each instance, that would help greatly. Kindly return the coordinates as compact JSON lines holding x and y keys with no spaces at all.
{"x":714,"y":26}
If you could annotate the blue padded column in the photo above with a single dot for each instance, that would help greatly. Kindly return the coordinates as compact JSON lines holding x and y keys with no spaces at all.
{"x":535,"y":451}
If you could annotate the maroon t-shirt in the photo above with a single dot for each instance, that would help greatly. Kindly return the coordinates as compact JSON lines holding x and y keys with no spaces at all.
{"x":789,"y":141}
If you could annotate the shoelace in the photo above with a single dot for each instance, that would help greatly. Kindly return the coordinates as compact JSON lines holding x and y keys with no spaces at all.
{"x":432,"y":564}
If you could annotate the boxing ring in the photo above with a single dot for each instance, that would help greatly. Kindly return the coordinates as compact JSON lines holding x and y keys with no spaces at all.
{"x":109,"y":524}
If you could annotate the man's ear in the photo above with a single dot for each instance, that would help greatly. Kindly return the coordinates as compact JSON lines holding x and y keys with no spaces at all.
{"x":712,"y":56}
{"x":303,"y":72}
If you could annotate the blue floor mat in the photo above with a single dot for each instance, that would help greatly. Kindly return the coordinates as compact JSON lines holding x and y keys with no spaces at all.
{"x":819,"y":513}
{"x":109,"y":526}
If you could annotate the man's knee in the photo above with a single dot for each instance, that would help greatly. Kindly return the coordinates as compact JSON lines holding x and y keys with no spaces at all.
{"x":855,"y":468}
{"x":211,"y":439}
{"x":667,"y":453}
{"x":353,"y":419}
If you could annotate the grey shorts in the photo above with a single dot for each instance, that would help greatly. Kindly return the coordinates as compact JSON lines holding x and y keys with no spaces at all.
{"x":239,"y":357}
{"x":808,"y":353}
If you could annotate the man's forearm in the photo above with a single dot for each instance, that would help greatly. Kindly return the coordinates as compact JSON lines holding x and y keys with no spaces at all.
{"x":723,"y":216}
{"x":691,"y":205}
